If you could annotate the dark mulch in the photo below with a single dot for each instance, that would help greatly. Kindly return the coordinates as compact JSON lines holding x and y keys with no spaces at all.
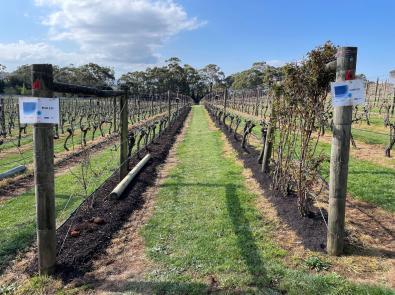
{"x":311,"y":231}
{"x":78,"y":253}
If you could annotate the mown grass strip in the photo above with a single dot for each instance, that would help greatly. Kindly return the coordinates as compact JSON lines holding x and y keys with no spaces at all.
{"x":206,"y":229}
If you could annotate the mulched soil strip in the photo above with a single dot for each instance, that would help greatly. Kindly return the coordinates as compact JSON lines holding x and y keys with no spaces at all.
{"x":78,"y":253}
{"x":311,"y":231}
{"x":27,"y":181}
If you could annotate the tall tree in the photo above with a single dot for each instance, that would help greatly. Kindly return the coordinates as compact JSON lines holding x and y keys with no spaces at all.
{"x":2,"y":78}
{"x":212,"y":76}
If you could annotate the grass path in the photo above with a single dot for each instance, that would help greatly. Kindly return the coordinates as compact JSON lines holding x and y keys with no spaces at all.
{"x":207,"y":234}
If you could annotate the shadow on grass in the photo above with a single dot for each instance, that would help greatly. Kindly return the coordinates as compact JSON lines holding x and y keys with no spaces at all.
{"x":245,"y":239}
{"x":142,"y":287}
{"x":242,"y":229}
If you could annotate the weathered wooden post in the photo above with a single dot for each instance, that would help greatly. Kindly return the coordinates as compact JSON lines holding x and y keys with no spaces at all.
{"x":2,"y":119}
{"x":114,"y":103}
{"x":342,"y":118}
{"x":267,"y":152}
{"x":169,"y":106}
{"x":152,"y":105}
{"x":123,"y":159}
{"x":225,"y":102}
{"x":43,"y":148}
{"x":375,"y":92}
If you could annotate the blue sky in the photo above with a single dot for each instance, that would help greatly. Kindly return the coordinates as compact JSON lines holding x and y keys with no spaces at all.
{"x":131,"y":34}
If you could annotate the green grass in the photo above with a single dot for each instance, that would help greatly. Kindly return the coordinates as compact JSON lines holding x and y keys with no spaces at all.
{"x":206,"y":225}
{"x":17,"y":215}
{"x":370,"y":137}
{"x":367,"y":181}
{"x":14,"y":158}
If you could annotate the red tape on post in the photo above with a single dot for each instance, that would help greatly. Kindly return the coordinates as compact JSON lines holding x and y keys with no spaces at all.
{"x":36,"y":84}
{"x":348,"y":75}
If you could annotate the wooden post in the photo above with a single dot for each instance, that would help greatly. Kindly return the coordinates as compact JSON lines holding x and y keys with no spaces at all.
{"x":267,"y":152}
{"x":393,"y":103}
{"x":169,"y":110}
{"x":257,"y":103}
{"x":123,"y":159}
{"x":152,"y":105}
{"x":2,"y":119}
{"x":225,"y":101}
{"x":375,"y":92}
{"x":342,"y":118}
{"x":114,"y":103}
{"x":138,"y":109}
{"x":43,"y":148}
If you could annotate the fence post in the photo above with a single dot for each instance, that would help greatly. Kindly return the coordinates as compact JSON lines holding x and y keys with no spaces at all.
{"x":3,"y":127}
{"x":123,"y":159}
{"x":225,"y":101}
{"x":43,"y":148}
{"x":169,"y":106}
{"x":152,"y":104}
{"x":114,"y":103}
{"x":267,"y":152}
{"x":342,"y":118}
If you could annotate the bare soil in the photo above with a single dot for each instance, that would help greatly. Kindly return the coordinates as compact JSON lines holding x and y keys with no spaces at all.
{"x":124,"y":260}
{"x":368,"y":152}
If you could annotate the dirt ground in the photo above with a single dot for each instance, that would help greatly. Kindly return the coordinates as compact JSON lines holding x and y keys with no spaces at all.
{"x":125,"y":260}
{"x":368,"y":152}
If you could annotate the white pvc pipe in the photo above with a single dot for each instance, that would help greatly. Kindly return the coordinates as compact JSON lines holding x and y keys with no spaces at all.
{"x":119,"y":189}
{"x":13,"y":171}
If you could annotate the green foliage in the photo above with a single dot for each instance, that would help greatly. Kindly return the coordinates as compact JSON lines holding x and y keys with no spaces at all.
{"x":260,"y":75}
{"x":173,"y":76}
{"x":19,"y":81}
{"x":2,"y":76}
{"x":317,"y":264}
{"x":90,"y":74}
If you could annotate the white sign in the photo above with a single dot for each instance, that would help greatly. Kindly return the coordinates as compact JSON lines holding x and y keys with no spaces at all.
{"x":39,"y":110}
{"x":348,"y":93}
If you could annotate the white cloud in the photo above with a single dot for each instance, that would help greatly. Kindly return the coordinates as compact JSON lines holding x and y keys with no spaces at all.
{"x":276,"y":62}
{"x":115,"y":32}
{"x":23,"y":52}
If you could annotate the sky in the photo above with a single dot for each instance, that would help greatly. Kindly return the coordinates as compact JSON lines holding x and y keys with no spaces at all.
{"x":130,"y":35}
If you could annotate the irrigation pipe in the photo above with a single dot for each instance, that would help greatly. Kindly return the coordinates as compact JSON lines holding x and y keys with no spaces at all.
{"x":119,"y":189}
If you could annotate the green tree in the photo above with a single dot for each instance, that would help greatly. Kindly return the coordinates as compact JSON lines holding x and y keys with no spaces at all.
{"x":212,"y":76}
{"x":2,"y":78}
{"x":90,"y":74}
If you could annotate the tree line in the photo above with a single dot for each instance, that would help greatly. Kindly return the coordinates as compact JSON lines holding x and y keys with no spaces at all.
{"x":174,"y":76}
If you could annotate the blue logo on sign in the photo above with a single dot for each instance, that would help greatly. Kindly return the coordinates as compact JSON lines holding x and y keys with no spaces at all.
{"x":341,"y":91}
{"x":29,"y":107}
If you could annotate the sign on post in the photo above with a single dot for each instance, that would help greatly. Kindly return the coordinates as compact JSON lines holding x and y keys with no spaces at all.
{"x":39,"y":110}
{"x":348,"y":93}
